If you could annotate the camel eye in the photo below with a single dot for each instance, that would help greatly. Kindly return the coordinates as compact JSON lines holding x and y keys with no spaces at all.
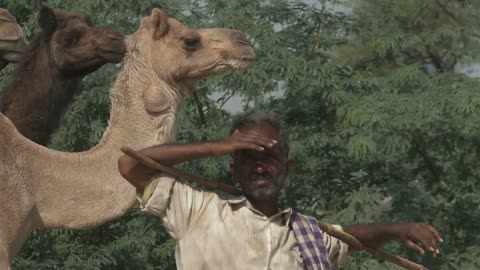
{"x":191,"y":42}
{"x":71,"y":39}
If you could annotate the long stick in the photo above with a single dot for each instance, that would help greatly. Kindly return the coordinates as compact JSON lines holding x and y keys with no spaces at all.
{"x":147,"y":161}
{"x":327,"y":228}
{"x":354,"y":242}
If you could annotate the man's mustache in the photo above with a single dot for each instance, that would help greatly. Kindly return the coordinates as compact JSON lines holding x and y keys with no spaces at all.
{"x":265,"y":175}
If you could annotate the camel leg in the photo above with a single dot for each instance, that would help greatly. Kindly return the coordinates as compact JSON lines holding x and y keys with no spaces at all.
{"x":10,"y":247}
{"x":4,"y":260}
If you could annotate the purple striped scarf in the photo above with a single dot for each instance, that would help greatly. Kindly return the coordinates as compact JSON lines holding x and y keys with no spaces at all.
{"x":310,"y":242}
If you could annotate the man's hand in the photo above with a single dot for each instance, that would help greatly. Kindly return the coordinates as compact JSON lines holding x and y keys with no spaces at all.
{"x":411,"y":234}
{"x":241,"y":141}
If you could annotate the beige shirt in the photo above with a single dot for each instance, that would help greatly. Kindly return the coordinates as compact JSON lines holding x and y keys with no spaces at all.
{"x":212,"y":232}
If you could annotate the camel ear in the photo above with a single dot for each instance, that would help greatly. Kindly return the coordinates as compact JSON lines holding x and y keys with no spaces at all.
{"x":160,"y":23}
{"x":58,"y":55}
{"x":47,"y":20}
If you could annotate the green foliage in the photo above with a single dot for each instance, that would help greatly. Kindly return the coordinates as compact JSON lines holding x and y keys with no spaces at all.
{"x":138,"y":239}
{"x":373,"y":100}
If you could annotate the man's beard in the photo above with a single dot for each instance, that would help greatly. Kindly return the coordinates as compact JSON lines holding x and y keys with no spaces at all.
{"x":264,"y":193}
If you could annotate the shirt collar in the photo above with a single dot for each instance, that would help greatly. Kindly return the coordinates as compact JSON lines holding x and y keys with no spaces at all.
{"x":241,"y":200}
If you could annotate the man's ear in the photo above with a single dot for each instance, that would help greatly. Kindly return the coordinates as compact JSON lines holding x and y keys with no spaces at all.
{"x":290,"y":163}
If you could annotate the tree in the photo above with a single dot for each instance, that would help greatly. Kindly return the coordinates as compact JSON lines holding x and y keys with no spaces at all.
{"x":406,"y":120}
{"x":371,"y":97}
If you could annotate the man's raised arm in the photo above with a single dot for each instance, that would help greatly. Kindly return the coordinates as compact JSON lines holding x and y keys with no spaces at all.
{"x":175,"y":153}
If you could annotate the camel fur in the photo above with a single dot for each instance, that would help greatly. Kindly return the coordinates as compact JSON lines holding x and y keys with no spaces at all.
{"x":49,"y":74}
{"x":43,"y":188}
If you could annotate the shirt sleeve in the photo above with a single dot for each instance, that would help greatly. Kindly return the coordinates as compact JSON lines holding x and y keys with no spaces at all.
{"x":176,"y":203}
{"x":337,"y":250}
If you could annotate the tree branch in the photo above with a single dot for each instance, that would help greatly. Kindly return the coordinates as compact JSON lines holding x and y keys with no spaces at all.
{"x":436,"y":60}
{"x":225,"y":98}
{"x":426,"y":158}
{"x":446,"y":11}
{"x":201,"y":114}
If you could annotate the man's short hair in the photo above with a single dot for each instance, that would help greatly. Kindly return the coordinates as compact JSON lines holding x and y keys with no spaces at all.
{"x":256,"y":118}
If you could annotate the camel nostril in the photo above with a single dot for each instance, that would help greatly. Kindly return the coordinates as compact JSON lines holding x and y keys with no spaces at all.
{"x":244,"y":42}
{"x":115,"y":36}
{"x":240,"y":37}
{"x":112,"y":34}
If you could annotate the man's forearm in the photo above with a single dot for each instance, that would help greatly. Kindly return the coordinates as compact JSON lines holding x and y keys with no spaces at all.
{"x":169,"y":154}
{"x":375,"y":235}
{"x":175,"y":153}
{"x":411,"y":234}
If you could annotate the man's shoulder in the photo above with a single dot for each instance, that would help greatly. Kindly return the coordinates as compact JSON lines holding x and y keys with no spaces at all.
{"x":213,"y":195}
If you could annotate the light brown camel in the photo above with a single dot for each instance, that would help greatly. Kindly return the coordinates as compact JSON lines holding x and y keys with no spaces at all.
{"x":48,"y":76}
{"x":44,"y":188}
{"x":12,"y":39}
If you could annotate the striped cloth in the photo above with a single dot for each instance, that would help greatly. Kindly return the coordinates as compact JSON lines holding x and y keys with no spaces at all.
{"x":310,"y":242}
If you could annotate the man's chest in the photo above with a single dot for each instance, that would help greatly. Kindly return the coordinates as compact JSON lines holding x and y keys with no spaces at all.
{"x":240,"y":238}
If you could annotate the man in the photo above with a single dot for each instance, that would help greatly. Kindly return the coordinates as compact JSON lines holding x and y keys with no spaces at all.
{"x":249,"y":232}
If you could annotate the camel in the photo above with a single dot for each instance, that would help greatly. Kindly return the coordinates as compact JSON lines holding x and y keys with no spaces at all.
{"x":43,"y":188}
{"x":12,"y":39}
{"x":48,"y":76}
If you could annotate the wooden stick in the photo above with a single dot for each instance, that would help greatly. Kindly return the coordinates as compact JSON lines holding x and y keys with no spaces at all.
{"x":327,"y":228}
{"x":354,"y":242}
{"x":147,"y":161}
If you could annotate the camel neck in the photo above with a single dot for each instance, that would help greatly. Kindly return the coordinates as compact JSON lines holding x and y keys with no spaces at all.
{"x":134,"y":122}
{"x":37,"y":95}
{"x":146,"y":111}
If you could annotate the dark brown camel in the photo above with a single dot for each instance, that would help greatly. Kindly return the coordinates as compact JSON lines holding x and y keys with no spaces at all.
{"x":46,"y":79}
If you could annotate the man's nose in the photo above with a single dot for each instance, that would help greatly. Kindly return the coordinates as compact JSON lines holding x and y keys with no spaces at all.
{"x":259,"y":167}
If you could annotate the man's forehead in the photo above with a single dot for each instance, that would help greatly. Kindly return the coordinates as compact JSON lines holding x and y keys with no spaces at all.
{"x":261,"y":129}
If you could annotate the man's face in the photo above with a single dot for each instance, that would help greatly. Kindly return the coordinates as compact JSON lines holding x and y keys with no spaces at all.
{"x":261,"y":174}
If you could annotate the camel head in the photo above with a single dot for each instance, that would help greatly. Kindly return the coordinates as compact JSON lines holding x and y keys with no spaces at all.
{"x":76,"y":45}
{"x":182,"y":56}
{"x":12,"y":40}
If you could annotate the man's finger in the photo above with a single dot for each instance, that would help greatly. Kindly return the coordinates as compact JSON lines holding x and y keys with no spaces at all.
{"x":436,"y":233}
{"x":414,"y":246}
{"x":258,"y":142}
{"x":259,"y":138}
{"x":251,"y":146}
{"x":427,"y":239}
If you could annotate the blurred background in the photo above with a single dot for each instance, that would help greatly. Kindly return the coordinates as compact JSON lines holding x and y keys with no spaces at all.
{"x":381,"y":97}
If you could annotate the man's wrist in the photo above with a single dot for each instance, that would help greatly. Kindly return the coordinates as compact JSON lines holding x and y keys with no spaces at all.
{"x":212,"y":148}
{"x":396,"y":231}
{"x":375,"y":235}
